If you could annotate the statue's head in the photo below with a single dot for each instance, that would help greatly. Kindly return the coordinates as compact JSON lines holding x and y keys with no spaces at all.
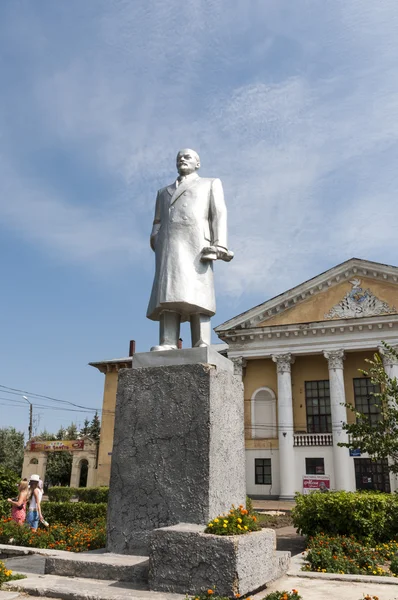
{"x":187,"y":161}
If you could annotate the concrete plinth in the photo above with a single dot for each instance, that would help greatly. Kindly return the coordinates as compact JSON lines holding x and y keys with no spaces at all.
{"x":183,"y":559}
{"x":178,"y":453}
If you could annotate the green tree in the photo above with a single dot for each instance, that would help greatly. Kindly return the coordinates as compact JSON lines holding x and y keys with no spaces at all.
{"x":8,"y":483}
{"x":59,"y":464}
{"x":71,"y":432}
{"x":380,"y":439}
{"x":11,"y":449}
{"x":95,"y":428}
{"x":86,"y":428}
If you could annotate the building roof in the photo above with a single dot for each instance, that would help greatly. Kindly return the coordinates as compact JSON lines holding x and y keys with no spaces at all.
{"x":353,"y":267}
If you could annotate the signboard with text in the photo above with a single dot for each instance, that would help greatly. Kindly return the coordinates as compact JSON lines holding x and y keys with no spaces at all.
{"x":311,"y":483}
{"x":355,"y":452}
{"x":56,"y":445}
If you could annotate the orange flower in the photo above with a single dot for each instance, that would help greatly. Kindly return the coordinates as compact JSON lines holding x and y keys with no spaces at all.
{"x":295,"y":591}
{"x":210,"y":592}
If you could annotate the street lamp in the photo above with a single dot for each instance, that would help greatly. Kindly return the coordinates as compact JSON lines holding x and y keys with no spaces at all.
{"x":30,"y":416}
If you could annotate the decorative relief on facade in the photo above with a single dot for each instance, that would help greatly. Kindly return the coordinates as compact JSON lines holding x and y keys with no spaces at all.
{"x":335,"y":358}
{"x":283,"y":362}
{"x":359,"y":303}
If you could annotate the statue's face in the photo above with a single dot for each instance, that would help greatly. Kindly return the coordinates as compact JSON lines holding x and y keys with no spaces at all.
{"x":187,"y":162}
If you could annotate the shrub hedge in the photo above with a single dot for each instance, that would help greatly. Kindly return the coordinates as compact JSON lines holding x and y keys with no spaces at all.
{"x":93,"y":495}
{"x":5,"y":508}
{"x":72,"y":512}
{"x":60,"y":494}
{"x":366,"y":515}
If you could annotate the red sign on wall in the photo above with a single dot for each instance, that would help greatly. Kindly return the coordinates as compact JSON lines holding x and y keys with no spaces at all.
{"x":56,"y":445}
{"x":311,"y":483}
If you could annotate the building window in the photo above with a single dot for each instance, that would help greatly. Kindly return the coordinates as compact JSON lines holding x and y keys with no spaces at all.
{"x":263,"y":474}
{"x":314,"y":466}
{"x":317,"y":400}
{"x":263,"y":414}
{"x":365,"y":402}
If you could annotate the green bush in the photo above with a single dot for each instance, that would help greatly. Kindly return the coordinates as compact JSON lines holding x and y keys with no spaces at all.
{"x":5,"y":508}
{"x":8,"y":483}
{"x":72,"y":512}
{"x":60,"y":494}
{"x":394,"y":565}
{"x":93,"y":495}
{"x":367,"y":516}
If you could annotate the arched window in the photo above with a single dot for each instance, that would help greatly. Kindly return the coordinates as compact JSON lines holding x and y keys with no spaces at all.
{"x":83,"y":473}
{"x":34,"y":461}
{"x":263,"y":413}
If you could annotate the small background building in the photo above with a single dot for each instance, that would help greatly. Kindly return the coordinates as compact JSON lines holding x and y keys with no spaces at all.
{"x":84,"y":461}
{"x":299,"y":355}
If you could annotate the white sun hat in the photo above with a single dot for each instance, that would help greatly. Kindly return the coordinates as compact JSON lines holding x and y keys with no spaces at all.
{"x":34,"y":478}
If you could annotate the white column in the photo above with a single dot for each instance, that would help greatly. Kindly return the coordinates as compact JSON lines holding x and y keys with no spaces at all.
{"x":390,"y":362}
{"x":285,"y":425}
{"x":344,"y":476}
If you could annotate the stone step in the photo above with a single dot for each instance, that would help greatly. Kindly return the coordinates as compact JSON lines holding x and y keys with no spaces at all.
{"x":66,"y":588}
{"x":107,"y":566}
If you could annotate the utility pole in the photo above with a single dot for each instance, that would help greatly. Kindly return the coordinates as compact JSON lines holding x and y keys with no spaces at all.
{"x":30,"y":418}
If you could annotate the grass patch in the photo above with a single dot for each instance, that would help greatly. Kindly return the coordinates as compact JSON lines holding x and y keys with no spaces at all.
{"x":274,"y":521}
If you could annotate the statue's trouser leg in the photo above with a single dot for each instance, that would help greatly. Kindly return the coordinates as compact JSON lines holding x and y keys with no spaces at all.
{"x":200,"y":330}
{"x":169,"y":329}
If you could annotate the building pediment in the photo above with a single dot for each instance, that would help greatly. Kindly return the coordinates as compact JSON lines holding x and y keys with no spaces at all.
{"x":352,"y":290}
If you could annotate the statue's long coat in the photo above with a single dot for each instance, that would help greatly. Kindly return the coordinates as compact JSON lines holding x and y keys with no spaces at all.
{"x":187,"y":219}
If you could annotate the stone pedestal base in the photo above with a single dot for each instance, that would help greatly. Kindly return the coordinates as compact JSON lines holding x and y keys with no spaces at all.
{"x":178,"y":454}
{"x":183,"y":559}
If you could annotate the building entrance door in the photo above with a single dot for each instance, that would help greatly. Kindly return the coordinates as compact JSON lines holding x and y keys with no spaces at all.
{"x":372,"y":475}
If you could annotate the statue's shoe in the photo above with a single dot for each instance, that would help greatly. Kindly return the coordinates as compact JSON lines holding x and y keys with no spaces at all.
{"x":162,"y":348}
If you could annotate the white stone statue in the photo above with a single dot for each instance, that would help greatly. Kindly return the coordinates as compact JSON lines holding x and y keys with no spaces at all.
{"x":189,"y":232}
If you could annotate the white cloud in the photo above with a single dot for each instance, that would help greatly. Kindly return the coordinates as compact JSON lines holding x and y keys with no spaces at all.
{"x":307,"y":154}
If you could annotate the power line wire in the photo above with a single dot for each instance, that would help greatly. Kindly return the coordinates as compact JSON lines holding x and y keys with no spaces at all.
{"x":33,"y":394}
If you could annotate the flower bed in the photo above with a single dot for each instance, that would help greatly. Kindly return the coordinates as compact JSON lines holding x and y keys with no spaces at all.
{"x":77,"y":537}
{"x":237,"y":522}
{"x":346,"y":555}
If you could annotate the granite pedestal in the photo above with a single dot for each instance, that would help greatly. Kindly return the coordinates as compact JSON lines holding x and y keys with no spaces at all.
{"x":178,"y":454}
{"x":183,"y":559}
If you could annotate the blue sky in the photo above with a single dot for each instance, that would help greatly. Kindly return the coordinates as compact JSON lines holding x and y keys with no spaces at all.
{"x":294,"y":105}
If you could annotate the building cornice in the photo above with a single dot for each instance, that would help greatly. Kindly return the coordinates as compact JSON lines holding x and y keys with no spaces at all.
{"x":113,"y":365}
{"x":309,"y":338}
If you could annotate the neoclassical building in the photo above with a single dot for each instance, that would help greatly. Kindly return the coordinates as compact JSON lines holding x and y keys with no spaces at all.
{"x":300,"y":356}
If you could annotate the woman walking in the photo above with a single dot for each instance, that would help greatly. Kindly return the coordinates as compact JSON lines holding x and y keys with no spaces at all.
{"x":18,"y":510}
{"x":34,"y":513}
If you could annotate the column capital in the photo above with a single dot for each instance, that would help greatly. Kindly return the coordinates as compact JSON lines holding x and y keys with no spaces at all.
{"x":239,"y":364}
{"x":283,"y":362}
{"x":389,"y":359}
{"x":335,"y":358}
